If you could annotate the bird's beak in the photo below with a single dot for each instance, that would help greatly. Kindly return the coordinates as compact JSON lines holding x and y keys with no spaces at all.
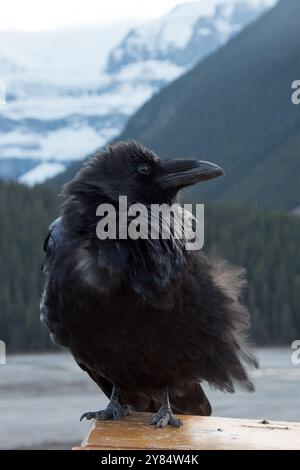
{"x":181,"y":173}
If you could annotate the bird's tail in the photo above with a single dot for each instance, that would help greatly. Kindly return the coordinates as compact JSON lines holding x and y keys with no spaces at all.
{"x":192,"y":402}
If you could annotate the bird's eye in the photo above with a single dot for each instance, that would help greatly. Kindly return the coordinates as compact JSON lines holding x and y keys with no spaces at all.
{"x":144,"y":169}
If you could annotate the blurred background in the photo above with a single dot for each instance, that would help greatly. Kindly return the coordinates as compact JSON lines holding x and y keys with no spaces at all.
{"x":210,"y":79}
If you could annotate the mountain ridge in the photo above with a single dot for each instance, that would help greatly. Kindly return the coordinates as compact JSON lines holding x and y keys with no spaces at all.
{"x":62,"y":106}
{"x":235,"y":108}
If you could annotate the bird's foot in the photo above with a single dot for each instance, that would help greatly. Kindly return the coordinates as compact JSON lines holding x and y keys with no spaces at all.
{"x":114,"y":410}
{"x":163,"y":417}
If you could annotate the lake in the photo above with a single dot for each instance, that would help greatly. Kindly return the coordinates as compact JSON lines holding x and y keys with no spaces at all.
{"x":43,"y":396}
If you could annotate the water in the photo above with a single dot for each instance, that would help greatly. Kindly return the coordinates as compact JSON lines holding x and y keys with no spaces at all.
{"x":43,"y":396}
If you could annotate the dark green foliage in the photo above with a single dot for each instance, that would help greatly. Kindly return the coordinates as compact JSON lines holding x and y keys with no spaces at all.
{"x":25,"y":214}
{"x":267,"y":244}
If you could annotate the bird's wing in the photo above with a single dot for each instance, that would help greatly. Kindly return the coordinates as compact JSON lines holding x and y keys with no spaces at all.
{"x":53,"y":239}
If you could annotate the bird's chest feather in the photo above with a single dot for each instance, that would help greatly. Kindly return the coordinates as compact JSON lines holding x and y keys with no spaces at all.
{"x":128,"y":299}
{"x":124,"y":337}
{"x":126,"y":321}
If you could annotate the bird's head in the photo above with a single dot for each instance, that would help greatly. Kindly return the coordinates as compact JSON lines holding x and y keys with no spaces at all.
{"x":130,"y":169}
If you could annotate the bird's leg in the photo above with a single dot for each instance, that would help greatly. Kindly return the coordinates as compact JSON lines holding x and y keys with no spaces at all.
{"x":114,"y":409}
{"x":164,"y":415}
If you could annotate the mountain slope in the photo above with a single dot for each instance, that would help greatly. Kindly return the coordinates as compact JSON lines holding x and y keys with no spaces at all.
{"x":235,"y":108}
{"x":187,"y":34}
{"x":72,"y":91}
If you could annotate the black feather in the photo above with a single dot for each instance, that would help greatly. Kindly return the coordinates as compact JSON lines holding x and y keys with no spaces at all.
{"x":142,"y":314}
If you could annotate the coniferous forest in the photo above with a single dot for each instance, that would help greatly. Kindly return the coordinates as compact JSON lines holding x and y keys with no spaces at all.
{"x":267,"y":244}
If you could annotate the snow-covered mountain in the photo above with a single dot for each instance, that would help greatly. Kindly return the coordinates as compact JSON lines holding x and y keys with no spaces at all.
{"x":188,"y":33}
{"x":70,"y":92}
{"x":54,"y":111}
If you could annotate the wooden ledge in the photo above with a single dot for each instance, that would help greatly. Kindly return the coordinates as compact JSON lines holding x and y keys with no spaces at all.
{"x":197,"y":433}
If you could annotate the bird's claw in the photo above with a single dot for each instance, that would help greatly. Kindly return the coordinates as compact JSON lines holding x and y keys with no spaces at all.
{"x":88,"y":415}
{"x":113,"y":411}
{"x":163,"y":418}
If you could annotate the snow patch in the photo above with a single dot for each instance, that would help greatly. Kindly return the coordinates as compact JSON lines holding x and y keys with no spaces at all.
{"x":67,"y":143}
{"x":150,"y":70}
{"x":42,"y":172}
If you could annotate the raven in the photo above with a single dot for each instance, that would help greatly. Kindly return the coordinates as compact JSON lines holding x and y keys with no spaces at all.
{"x":147,"y":319}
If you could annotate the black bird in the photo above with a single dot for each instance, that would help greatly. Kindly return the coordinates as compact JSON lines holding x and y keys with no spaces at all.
{"x":148,"y":320}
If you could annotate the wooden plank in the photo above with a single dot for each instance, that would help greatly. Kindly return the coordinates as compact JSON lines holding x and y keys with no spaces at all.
{"x":197,"y":433}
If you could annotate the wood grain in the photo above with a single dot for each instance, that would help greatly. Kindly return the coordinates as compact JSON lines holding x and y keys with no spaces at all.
{"x":197,"y":433}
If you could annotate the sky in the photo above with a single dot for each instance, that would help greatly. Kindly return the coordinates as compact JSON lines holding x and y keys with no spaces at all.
{"x":43,"y":15}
